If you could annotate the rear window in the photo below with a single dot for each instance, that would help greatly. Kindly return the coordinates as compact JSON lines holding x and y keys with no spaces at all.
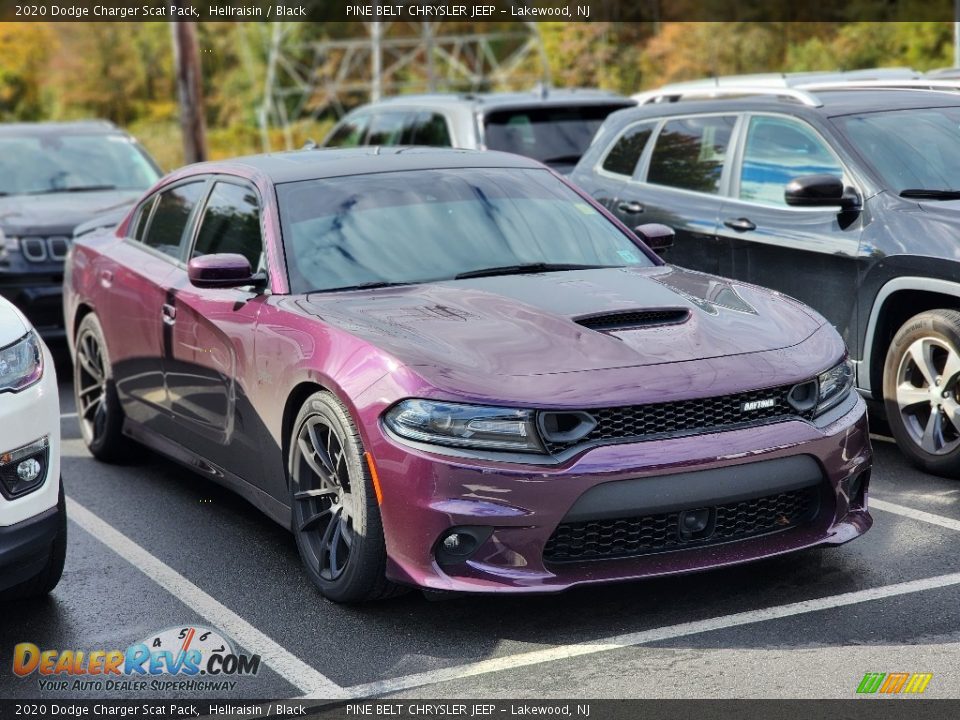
{"x":556,"y":136}
{"x":626,"y":151}
{"x":171,"y":216}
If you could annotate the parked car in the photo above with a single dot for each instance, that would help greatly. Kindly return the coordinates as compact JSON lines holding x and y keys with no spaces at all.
{"x":33,"y":520}
{"x":552,"y":126}
{"x":845,"y":198}
{"x":450,"y":369}
{"x":54,"y":176}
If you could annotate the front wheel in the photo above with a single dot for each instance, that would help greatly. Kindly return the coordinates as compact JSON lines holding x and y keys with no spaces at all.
{"x":334,"y":511}
{"x":921,"y":382}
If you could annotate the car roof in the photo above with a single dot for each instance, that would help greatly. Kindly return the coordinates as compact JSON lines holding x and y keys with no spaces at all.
{"x":550,"y":97}
{"x":834,"y":102}
{"x":79,"y":127}
{"x":319,"y":163}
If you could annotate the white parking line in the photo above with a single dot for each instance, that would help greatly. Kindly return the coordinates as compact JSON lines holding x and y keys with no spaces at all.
{"x":920,"y":515}
{"x":67,"y":416}
{"x":564,"y":652}
{"x":882,"y":438}
{"x":288,"y":666}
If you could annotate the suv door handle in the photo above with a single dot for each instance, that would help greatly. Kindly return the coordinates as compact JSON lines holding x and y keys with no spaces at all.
{"x":632,"y":207}
{"x":169,"y":314}
{"x":740,"y":224}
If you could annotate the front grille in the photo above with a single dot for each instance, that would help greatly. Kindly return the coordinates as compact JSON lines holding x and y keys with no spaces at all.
{"x":634,"y":319}
{"x":41,"y":249}
{"x":649,"y":534}
{"x":636,"y":422}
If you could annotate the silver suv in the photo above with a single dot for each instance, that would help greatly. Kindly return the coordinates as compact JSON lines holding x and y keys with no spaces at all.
{"x":552,"y":126}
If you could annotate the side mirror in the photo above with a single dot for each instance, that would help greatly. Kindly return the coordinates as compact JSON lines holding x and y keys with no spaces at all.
{"x":221,"y":270}
{"x":819,"y":191}
{"x":657,"y":237}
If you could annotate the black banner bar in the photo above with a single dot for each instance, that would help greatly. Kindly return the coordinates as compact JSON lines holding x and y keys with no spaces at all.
{"x":872,"y":708}
{"x":475,"y":10}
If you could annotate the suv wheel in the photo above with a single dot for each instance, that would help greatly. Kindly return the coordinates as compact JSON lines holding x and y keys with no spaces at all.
{"x":921,"y":381}
{"x":98,"y":407}
{"x":334,"y":511}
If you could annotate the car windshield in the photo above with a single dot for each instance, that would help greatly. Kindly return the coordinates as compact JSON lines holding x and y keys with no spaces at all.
{"x":927,"y":157}
{"x":51,"y":163}
{"x":553,"y":135}
{"x":428,"y":225}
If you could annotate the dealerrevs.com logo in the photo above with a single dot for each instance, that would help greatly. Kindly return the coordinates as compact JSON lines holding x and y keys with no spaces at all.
{"x":179,"y":658}
{"x":894,"y":683}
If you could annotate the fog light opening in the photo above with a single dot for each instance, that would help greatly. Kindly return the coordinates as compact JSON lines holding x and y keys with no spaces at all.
{"x":857,"y":491}
{"x":457,"y":544}
{"x":29,"y":470}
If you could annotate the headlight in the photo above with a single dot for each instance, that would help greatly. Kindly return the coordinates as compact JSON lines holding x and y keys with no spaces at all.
{"x":834,"y":386}
{"x":471,"y":426}
{"x":21,"y":364}
{"x":7,"y":245}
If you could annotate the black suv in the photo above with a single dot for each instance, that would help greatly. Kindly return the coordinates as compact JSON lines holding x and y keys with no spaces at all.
{"x":845,"y":197}
{"x":53,"y":177}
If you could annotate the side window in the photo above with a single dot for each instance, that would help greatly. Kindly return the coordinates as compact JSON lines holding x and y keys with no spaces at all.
{"x":626,"y":151}
{"x":689,"y":153}
{"x":387,"y":128}
{"x":139,"y":226}
{"x":428,"y":129}
{"x":350,"y":133}
{"x":231,"y":224}
{"x":171,"y":216}
{"x":777,"y":151}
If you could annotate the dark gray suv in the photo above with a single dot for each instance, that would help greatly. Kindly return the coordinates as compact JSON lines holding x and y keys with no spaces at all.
{"x":54,"y":177}
{"x":552,"y":126}
{"x":844,"y":196}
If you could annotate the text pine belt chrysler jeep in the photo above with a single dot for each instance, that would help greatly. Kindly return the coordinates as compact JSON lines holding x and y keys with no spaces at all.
{"x":843,"y":194}
{"x":450,"y":369}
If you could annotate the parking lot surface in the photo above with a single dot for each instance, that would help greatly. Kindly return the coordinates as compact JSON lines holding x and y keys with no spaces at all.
{"x":153,"y":546}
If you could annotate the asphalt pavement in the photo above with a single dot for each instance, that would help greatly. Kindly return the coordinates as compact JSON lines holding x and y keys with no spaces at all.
{"x":153,"y":546}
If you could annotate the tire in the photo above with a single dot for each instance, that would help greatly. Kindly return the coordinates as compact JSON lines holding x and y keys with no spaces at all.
{"x":98,"y":407}
{"x":921,"y":390}
{"x":334,"y":510}
{"x":46,"y":580}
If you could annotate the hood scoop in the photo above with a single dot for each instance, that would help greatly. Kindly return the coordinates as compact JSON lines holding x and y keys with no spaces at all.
{"x":634,"y":319}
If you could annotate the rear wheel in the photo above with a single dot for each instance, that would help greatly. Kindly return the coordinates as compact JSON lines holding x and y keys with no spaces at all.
{"x":98,"y":407}
{"x":335,"y":515}
{"x":921,"y":382}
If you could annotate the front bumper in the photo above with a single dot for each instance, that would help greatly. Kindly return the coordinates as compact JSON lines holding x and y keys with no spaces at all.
{"x":25,"y":547}
{"x":516,"y":509}
{"x":25,"y":417}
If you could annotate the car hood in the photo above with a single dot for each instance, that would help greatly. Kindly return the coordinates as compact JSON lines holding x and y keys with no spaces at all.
{"x":12,"y":325}
{"x":524,"y":325}
{"x":59,"y":212}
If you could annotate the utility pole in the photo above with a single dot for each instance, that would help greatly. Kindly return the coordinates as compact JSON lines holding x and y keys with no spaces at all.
{"x":956,"y":33}
{"x":376,"y":60}
{"x":186,"y":62}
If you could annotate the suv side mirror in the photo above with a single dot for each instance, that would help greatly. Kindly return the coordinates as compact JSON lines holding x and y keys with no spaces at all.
{"x":657,"y":237}
{"x":221,"y":270}
{"x":819,"y":191}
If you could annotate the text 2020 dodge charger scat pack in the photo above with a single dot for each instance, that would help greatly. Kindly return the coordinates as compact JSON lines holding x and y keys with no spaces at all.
{"x":450,"y":369}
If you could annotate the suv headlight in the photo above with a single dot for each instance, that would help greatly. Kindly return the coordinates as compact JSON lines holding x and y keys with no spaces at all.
{"x":21,"y":364}
{"x":834,"y":386}
{"x":7,"y":245}
{"x":470,"y":426}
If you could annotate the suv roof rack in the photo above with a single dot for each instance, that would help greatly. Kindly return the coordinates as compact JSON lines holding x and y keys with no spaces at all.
{"x":700,"y":90}
{"x":906,"y":84}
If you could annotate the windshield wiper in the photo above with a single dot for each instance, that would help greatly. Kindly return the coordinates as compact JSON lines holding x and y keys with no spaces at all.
{"x":525,"y":269}
{"x":372,"y":285}
{"x":923,"y":194}
{"x":78,"y":188}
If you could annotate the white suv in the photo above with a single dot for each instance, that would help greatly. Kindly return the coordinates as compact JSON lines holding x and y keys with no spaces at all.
{"x":33,"y":519}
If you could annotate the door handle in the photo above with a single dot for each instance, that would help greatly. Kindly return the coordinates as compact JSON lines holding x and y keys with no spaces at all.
{"x":169,"y":314}
{"x":740,"y":224}
{"x":632,"y":207}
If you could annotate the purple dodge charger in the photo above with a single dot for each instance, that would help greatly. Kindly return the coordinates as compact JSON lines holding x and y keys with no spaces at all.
{"x":453,"y":370}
